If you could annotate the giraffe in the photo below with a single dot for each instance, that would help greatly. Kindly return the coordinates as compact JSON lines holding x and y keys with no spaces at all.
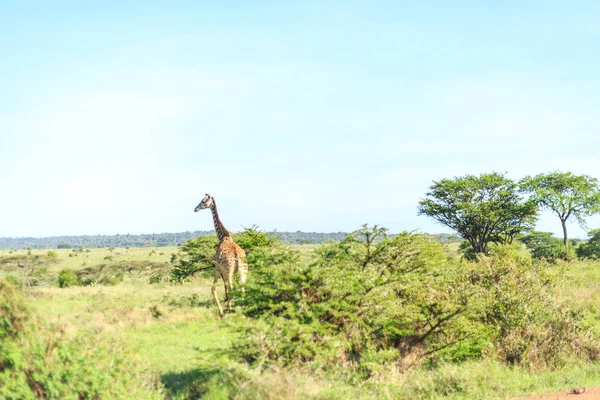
{"x":229,"y":258}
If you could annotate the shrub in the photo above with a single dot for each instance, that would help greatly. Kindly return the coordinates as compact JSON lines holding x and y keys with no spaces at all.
{"x":66,"y":278}
{"x":554,"y":253}
{"x":41,"y":361}
{"x":113,"y":274}
{"x":101,"y":274}
{"x":591,"y":248}
{"x":514,"y":301}
{"x":366,"y":303}
{"x":544,"y":246}
{"x":13,"y":312}
{"x":198,"y":255}
{"x":195,"y":255}
{"x":371,"y":303}
{"x":251,"y":239}
{"x":467,"y":251}
{"x":139,"y":270}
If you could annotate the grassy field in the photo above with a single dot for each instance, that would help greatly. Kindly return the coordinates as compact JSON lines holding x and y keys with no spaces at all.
{"x":178,"y":338}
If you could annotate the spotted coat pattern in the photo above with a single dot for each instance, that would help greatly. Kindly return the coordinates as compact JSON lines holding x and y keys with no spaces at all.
{"x":229,"y":259}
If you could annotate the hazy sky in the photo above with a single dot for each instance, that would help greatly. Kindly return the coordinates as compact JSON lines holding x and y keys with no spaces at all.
{"x":313,"y":116}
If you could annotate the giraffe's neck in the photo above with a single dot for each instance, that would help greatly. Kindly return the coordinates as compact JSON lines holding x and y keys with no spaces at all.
{"x":222,"y":233}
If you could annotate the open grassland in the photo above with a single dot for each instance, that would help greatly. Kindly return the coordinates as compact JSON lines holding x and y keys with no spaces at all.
{"x":180,"y":344}
{"x":80,"y":258}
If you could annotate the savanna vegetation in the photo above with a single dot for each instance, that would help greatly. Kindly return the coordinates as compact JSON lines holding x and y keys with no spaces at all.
{"x":152,"y":240}
{"x":508,"y":312}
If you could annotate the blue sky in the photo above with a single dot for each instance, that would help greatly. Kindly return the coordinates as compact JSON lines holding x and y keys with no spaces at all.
{"x":313,"y":116}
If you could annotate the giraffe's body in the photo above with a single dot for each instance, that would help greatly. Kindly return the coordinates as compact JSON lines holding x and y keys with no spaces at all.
{"x":230,"y":257}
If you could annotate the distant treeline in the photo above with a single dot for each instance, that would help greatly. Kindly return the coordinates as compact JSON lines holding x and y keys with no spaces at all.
{"x":165,"y":239}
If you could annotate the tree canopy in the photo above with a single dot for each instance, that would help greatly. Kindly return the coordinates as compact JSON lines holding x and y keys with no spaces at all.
{"x":566,"y":194}
{"x":483,"y":209}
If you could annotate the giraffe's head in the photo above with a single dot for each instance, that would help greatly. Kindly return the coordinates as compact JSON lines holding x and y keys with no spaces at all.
{"x":206,"y":202}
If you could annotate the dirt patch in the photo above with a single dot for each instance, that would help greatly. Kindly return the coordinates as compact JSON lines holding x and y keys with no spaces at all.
{"x":581,"y":393}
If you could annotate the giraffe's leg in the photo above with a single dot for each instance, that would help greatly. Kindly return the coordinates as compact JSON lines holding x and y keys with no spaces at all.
{"x":214,"y":292}
{"x":228,"y":286}
{"x":243,"y":274}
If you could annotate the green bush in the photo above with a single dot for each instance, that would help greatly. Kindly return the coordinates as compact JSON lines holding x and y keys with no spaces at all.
{"x":198,"y":255}
{"x":544,"y":246}
{"x":251,"y":239}
{"x":553,"y":253}
{"x":13,"y":312}
{"x":101,"y":274}
{"x":114,"y":273}
{"x":366,"y":303}
{"x":467,"y":251}
{"x":41,"y":361}
{"x":591,"y":248}
{"x":66,"y":278}
{"x":372,"y":303}
{"x":194,"y":256}
{"x":514,"y":301}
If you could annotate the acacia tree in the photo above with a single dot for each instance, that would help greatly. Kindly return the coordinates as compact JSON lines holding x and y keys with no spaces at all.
{"x":565,"y":194}
{"x":482,"y":209}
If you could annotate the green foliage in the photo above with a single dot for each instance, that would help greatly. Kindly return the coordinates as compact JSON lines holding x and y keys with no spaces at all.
{"x":251,"y":238}
{"x":554,"y":253}
{"x":482,"y":209}
{"x":372,"y":303}
{"x":466,"y":249}
{"x":367,"y":302}
{"x":537,"y":239}
{"x":514,"y":300}
{"x":13,"y":312}
{"x":66,"y":278}
{"x":101,"y":274}
{"x":478,"y":364}
{"x":41,"y":361}
{"x":565,"y":194}
{"x":544,"y":246}
{"x":198,"y":255}
{"x":195,"y":255}
{"x":591,"y":248}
